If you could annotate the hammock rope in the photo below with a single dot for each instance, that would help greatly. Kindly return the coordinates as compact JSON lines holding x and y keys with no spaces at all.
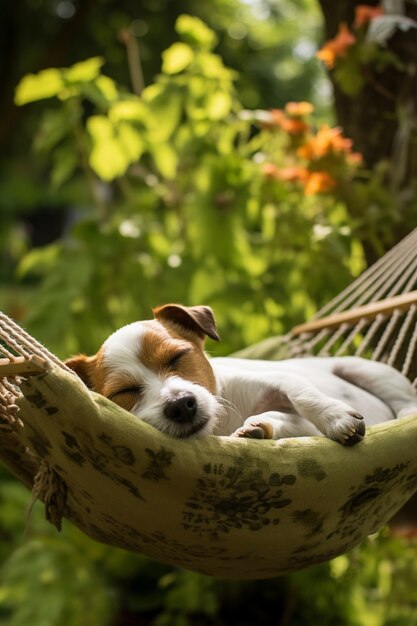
{"x":375,"y":316}
{"x":219,"y":505}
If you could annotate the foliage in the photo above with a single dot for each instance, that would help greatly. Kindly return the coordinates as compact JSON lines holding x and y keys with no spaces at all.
{"x":182,"y":207}
{"x":183,"y":193}
{"x":270,"y":44}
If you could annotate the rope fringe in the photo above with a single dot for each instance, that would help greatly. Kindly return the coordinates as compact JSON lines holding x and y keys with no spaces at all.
{"x":9,"y":420}
{"x":49,"y":487}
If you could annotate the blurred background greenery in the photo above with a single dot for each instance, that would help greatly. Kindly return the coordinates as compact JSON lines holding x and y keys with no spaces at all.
{"x":151,"y":151}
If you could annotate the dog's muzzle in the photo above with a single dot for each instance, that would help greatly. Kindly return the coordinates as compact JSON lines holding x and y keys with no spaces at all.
{"x":181,"y":409}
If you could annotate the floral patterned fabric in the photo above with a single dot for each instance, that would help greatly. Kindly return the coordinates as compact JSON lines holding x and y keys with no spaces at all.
{"x":222,"y":506}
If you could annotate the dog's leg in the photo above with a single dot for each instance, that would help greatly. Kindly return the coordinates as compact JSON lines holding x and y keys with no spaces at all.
{"x":295,"y":395}
{"x":381,"y":380}
{"x":334,"y":418}
{"x":276,"y":425}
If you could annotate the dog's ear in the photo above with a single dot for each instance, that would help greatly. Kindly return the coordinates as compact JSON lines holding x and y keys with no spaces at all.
{"x":197,"y":319}
{"x":84,"y":367}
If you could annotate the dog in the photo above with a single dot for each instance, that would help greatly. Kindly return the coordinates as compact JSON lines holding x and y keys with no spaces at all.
{"x":157,"y":369}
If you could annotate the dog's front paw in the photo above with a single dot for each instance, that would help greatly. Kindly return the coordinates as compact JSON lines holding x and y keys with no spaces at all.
{"x":255,"y":430}
{"x":347,"y":428}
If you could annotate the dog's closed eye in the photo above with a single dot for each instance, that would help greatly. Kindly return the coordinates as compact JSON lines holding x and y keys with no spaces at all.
{"x":128,"y":397}
{"x":172,"y":362}
{"x":130,"y":390}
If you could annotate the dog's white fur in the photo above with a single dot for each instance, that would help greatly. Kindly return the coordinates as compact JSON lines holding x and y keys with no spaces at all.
{"x":158,"y":370}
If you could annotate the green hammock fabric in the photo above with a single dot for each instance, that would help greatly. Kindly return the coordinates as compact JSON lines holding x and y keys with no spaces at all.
{"x":228,"y":507}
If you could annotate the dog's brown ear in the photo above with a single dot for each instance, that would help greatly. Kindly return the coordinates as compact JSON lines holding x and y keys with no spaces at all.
{"x":197,"y":319}
{"x":84,"y":367}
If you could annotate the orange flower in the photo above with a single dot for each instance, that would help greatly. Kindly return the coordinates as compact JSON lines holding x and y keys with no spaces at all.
{"x":365,"y":13}
{"x":270,"y":170}
{"x":288,"y":124}
{"x":277,"y":116}
{"x":331,"y":140}
{"x":292,"y":174}
{"x":289,"y":174}
{"x":355,"y":158}
{"x":336,"y":47}
{"x":319,"y":182}
{"x":294,"y":126}
{"x":325,"y":141}
{"x":299,"y":109}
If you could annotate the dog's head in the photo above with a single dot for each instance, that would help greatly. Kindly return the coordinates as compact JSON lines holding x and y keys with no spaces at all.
{"x":157,"y":370}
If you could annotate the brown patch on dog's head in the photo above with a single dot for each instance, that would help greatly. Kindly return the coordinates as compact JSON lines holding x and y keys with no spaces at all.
{"x":173,"y":352}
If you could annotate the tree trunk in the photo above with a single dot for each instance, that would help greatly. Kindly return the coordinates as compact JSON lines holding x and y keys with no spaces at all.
{"x":382,"y":121}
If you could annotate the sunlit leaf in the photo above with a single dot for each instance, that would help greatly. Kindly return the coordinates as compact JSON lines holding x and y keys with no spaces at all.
{"x":84,"y":71}
{"x":197,"y":86}
{"x":193,"y":30}
{"x":212,"y":66}
{"x":132,"y":110}
{"x":100,"y":128}
{"x":114,"y":147}
{"x":219,"y":105}
{"x":71,"y":90}
{"x":108,"y":158}
{"x":176,"y":58}
{"x":88,"y":90}
{"x":108,"y":161}
{"x":108,"y":87}
{"x":164,"y":113}
{"x":33,"y":87}
{"x":131,"y":140}
{"x":166,"y":159}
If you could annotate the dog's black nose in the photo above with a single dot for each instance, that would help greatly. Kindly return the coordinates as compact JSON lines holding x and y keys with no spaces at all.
{"x":181,"y":409}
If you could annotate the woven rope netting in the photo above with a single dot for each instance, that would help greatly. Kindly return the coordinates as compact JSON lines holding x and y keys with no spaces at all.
{"x":375,"y":317}
{"x":21,"y":354}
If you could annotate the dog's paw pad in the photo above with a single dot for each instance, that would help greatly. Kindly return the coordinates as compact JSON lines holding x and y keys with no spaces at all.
{"x":348,"y":428}
{"x":250,"y":432}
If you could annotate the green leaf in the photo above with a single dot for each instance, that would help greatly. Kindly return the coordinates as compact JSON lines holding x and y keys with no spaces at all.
{"x":108,"y":87}
{"x":49,"y":83}
{"x":212,"y":66}
{"x":84,"y":71}
{"x":38,"y":260}
{"x":101,"y":92}
{"x":166,"y":159}
{"x":219,"y":105}
{"x":193,"y":30}
{"x":164,"y":112}
{"x":176,"y":58}
{"x":131,"y":140}
{"x":128,"y":110}
{"x":55,"y":125}
{"x":33,"y":87}
{"x":108,"y":157}
{"x":64,"y":166}
{"x":114,"y":147}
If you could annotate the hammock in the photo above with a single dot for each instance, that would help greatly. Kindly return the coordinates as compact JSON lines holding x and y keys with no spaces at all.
{"x":221,"y":506}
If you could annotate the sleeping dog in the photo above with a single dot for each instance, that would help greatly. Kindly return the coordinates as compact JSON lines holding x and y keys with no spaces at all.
{"x":157,"y":370}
